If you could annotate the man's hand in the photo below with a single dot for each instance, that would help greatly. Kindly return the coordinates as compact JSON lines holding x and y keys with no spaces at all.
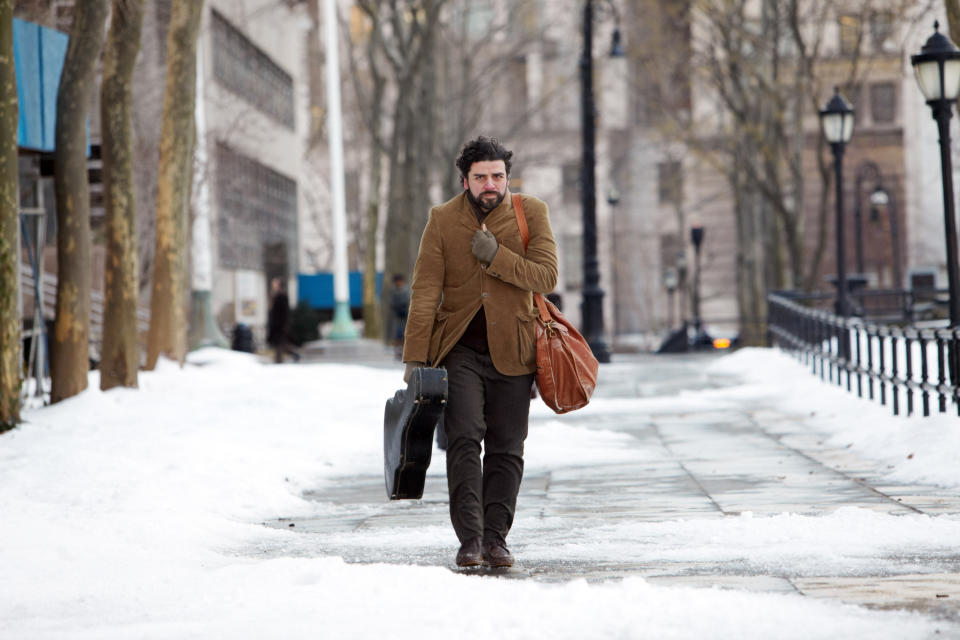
{"x":409,"y":370}
{"x":484,"y":245}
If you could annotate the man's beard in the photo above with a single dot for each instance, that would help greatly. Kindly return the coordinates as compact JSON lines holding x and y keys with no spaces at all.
{"x":480,"y":204}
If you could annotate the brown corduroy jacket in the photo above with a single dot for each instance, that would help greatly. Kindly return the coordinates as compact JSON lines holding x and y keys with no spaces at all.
{"x":449,"y":283}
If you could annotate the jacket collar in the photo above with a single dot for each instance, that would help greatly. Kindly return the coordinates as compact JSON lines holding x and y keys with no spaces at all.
{"x":469,"y":219}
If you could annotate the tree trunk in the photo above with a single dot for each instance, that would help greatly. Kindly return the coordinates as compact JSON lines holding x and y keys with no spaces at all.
{"x":372,"y":325}
{"x":953,"y":19}
{"x":120,"y":355}
{"x":168,"y":326}
{"x":9,"y":236}
{"x":70,"y":360}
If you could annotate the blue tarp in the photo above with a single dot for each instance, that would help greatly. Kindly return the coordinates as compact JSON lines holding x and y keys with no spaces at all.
{"x":317,"y":289}
{"x":38,"y":54}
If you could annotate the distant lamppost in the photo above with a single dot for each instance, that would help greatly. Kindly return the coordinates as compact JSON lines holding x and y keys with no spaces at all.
{"x":879,"y":197}
{"x":670,"y":280}
{"x":837,"y":120}
{"x":938,"y":72}
{"x":696,"y":237}
{"x":592,"y":305}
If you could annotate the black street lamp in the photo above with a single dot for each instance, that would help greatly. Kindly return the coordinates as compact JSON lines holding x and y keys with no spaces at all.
{"x":837,"y":120}
{"x":938,"y":73}
{"x":879,"y":197}
{"x":592,"y":305}
{"x":696,"y":237}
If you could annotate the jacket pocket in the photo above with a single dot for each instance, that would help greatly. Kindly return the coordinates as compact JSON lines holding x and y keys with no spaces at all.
{"x":436,"y":335}
{"x":527,"y":338}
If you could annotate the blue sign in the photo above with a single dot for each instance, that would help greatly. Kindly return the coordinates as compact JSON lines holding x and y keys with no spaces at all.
{"x":38,"y":54}
{"x":317,"y":289}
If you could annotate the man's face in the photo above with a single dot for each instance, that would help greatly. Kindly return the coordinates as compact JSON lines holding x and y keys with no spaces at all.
{"x":486,"y":183}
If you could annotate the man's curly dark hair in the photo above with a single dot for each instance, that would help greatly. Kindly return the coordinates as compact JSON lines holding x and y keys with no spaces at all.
{"x":482,"y":149}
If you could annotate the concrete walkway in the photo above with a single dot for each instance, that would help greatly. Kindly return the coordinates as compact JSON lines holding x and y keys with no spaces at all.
{"x":690,"y":466}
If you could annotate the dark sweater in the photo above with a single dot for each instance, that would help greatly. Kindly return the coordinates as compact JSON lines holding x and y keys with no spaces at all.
{"x":475,"y":336}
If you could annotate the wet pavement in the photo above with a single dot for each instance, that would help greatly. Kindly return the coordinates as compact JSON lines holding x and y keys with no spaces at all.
{"x":693,"y":466}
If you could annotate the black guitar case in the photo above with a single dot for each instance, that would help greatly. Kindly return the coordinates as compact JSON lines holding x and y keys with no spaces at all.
{"x":408,"y":423}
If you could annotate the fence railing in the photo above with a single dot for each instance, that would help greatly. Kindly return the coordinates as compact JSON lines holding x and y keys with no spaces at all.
{"x":895,"y":364}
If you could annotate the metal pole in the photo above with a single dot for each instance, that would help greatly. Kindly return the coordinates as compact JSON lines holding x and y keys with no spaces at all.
{"x":592,"y":305}
{"x":343,"y":328}
{"x":942,"y":112}
{"x":843,"y":309}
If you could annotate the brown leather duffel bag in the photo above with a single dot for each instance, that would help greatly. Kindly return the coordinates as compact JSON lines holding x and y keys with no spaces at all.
{"x":566,"y":366}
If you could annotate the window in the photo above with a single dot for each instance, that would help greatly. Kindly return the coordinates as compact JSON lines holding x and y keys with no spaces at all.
{"x":854,"y":96}
{"x":571,"y":183}
{"x":243,"y":68}
{"x":881,"y":31}
{"x":257,"y":207}
{"x":671,"y":248}
{"x":476,"y":18}
{"x":573,"y":260}
{"x":883,"y":106}
{"x":670,"y":182}
{"x":850,"y":34}
{"x":517,"y":83}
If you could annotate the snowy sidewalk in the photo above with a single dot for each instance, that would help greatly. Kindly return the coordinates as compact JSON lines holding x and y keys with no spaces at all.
{"x":732,"y":497}
{"x":682,"y":471}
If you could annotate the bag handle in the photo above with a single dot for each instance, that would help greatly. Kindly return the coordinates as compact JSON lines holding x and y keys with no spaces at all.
{"x":521,"y":219}
{"x":525,"y":236}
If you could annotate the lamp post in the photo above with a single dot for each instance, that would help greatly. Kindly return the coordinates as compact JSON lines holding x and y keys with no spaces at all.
{"x":938,"y":73}
{"x":670,"y":280}
{"x":879,"y":197}
{"x":592,"y":305}
{"x":696,"y":237}
{"x":837,"y":120}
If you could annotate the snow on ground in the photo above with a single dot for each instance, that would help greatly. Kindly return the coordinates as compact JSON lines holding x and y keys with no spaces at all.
{"x":131,"y":514}
{"x":916,"y":449}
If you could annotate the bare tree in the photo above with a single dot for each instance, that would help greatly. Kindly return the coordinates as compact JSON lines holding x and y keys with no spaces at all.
{"x":9,"y":219}
{"x":765,"y":64}
{"x":419,"y":94}
{"x":168,"y":329}
{"x":372,"y":118}
{"x":120,"y":356}
{"x":70,"y":353}
{"x":953,"y":18}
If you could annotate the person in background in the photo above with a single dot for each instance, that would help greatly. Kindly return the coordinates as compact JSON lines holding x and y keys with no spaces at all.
{"x":278,"y":323}
{"x":399,"y":306}
{"x":471,"y":311}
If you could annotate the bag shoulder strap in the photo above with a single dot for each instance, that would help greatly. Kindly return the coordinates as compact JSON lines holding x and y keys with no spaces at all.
{"x":521,"y":219}
{"x":538,"y":299}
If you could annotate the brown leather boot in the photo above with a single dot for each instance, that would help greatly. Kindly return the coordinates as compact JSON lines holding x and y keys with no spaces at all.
{"x":470,"y":554}
{"x":496,"y":554}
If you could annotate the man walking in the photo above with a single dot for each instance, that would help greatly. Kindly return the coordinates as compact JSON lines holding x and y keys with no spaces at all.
{"x":471,"y":311}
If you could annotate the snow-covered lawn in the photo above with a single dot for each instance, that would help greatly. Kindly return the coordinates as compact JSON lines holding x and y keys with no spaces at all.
{"x":133,"y":513}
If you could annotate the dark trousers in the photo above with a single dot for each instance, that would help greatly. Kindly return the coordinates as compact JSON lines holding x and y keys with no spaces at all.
{"x":484,"y":406}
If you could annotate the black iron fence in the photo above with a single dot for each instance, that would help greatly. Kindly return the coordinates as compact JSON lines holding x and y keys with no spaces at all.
{"x":899,"y":362}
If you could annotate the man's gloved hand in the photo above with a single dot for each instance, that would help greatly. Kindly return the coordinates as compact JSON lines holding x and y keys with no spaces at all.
{"x":409,"y":370}
{"x":484,"y":245}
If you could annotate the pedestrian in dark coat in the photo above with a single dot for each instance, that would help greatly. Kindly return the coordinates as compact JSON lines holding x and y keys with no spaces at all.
{"x":278,"y":323}
{"x":472,"y":311}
